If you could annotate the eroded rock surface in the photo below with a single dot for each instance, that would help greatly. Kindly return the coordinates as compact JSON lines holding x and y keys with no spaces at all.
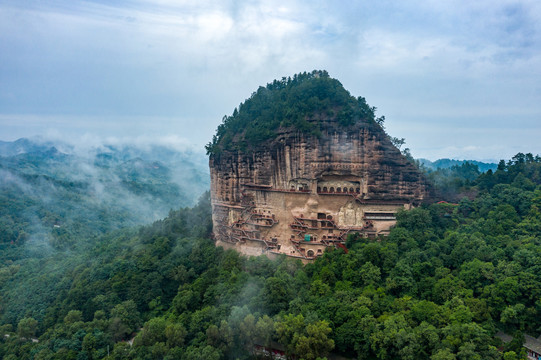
{"x":298,"y":194}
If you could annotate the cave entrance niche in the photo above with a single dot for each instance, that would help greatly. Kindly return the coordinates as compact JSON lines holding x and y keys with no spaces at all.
{"x":302,"y":185}
{"x":337,"y":184}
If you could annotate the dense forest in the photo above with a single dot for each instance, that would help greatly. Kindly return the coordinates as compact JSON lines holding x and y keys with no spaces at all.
{"x":61,"y":196}
{"x":291,"y":103}
{"x":448,"y":163}
{"x":446,"y":279}
{"x":56,"y":200}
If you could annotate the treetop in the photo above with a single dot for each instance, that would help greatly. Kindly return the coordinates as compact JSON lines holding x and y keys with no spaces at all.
{"x":306,"y":102}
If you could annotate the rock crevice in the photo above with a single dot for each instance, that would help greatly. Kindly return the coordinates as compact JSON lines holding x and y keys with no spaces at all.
{"x":298,"y":194}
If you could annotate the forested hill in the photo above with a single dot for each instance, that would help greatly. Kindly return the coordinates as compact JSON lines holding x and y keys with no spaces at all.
{"x":305,"y":103}
{"x":442,"y":284}
{"x":55,"y":197}
{"x":448,"y":163}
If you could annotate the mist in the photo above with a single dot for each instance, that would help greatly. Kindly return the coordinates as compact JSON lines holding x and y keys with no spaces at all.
{"x":124,"y":174}
{"x":59,"y":197}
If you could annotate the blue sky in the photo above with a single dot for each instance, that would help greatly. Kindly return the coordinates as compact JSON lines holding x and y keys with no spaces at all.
{"x":457,"y":79}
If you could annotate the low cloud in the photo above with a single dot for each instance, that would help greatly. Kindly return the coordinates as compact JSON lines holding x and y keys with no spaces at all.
{"x":165,"y":67}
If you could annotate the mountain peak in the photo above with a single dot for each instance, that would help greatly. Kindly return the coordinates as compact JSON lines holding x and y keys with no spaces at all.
{"x":308,"y":103}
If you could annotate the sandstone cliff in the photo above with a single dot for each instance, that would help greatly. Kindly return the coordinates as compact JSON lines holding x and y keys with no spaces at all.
{"x":306,"y":187}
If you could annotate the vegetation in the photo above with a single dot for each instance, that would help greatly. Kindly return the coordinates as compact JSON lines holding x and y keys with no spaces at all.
{"x":299,"y":103}
{"x":439,"y":287}
{"x":448,"y":163}
{"x":54,"y":198}
{"x":54,"y":205}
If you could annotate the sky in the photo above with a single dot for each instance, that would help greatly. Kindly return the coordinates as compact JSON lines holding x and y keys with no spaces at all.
{"x":456,"y":79}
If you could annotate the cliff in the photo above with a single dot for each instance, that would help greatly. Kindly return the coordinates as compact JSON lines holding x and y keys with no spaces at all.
{"x":309,"y":184}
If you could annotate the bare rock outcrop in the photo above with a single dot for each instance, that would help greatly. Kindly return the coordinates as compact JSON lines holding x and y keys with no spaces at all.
{"x":300,"y":191}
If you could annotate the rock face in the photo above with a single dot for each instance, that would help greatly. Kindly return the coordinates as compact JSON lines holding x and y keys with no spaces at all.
{"x":299,"y":193}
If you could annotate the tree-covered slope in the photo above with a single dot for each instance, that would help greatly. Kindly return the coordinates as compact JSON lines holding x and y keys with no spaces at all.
{"x":305,"y":103}
{"x":439,"y":287}
{"x":53,"y":198}
{"x":449,"y":163}
{"x":54,"y":204}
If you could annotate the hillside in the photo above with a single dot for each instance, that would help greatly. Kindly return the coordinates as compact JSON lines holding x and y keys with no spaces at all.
{"x":304,"y":103}
{"x":55,"y":203}
{"x":59,"y":196}
{"x":438,"y":287}
{"x":448,"y":163}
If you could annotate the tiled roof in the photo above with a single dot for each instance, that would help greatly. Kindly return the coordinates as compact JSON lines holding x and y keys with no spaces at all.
{"x":532,"y":343}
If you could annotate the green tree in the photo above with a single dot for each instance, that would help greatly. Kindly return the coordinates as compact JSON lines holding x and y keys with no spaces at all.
{"x":443,"y":354}
{"x":153,"y":332}
{"x":175,"y":334}
{"x":247,"y":332}
{"x":370,"y":274}
{"x":125,"y":319}
{"x":315,"y":343}
{"x":277,"y":294}
{"x":73,"y":316}
{"x":308,"y":341}
{"x":27,"y":327}
{"x":264,"y":330}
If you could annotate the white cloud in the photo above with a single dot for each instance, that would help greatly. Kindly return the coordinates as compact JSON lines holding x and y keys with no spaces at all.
{"x":168,"y":66}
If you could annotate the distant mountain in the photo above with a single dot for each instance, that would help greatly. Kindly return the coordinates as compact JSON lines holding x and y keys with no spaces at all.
{"x":22,"y":146}
{"x":188,"y":168}
{"x":448,"y":163}
{"x":57,"y":199}
{"x":63,"y":196}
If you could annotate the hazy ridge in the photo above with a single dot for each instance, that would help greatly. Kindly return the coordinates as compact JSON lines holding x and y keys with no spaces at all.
{"x":448,"y":163}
